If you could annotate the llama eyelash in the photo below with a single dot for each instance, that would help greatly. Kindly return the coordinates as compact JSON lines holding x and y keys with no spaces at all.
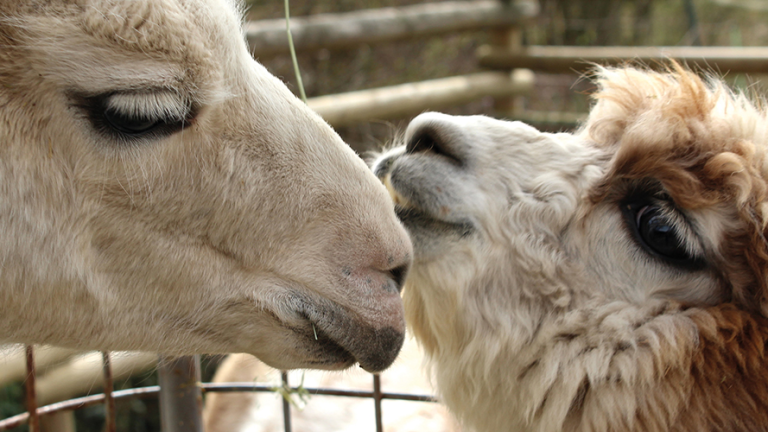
{"x":662,"y":231}
{"x":161,"y":104}
{"x":131,"y":116}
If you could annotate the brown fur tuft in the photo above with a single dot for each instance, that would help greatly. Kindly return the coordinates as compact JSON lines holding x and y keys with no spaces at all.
{"x":686,"y":134}
{"x":728,"y":372}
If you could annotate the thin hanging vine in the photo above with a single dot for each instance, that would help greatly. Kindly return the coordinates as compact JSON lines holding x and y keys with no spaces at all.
{"x":293,"y":52}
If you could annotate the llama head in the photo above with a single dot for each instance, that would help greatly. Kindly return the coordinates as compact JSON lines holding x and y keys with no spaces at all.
{"x":163,"y":192}
{"x":661,"y":194}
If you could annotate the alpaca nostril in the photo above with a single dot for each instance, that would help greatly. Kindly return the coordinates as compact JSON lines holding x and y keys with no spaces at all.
{"x":428,"y":139}
{"x":398,"y":275}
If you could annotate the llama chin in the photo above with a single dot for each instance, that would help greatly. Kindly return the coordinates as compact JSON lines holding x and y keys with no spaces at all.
{"x":610,"y":279}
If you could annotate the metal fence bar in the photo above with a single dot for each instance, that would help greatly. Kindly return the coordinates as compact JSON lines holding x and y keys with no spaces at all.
{"x":77,"y":403}
{"x":286,"y":402}
{"x":180,"y":396}
{"x":152,"y":391}
{"x":31,"y":398}
{"x":250,"y":387}
{"x":109,"y":401}
{"x":181,"y":400}
{"x":377,"y":402}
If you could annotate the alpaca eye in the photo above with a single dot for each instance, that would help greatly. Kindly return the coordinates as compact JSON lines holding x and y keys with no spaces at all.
{"x":130,"y":125}
{"x":659,"y":234}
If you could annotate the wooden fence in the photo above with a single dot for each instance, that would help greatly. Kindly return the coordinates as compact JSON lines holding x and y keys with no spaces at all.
{"x":564,"y":59}
{"x":376,"y":26}
{"x":370,"y":27}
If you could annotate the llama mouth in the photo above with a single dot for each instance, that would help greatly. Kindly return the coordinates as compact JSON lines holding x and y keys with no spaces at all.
{"x":328,"y":352}
{"x":418,"y":220}
{"x":337,"y":341}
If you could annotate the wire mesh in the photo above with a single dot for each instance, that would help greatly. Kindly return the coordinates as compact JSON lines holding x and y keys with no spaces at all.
{"x":186,"y":405}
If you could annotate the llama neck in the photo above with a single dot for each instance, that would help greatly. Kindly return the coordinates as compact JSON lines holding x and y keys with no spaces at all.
{"x":572,"y":365}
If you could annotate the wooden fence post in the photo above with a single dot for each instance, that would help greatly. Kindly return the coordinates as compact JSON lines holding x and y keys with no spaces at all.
{"x":510,"y":39}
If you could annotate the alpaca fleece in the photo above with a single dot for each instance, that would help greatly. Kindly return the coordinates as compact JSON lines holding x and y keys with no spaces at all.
{"x":547,"y":289}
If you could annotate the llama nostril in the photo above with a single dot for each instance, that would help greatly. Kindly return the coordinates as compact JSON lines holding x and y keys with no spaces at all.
{"x":428,"y":139}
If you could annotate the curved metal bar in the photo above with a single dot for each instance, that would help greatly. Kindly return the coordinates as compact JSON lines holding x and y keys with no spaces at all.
{"x":78,"y":403}
{"x":235,"y":387}
{"x":142,"y":392}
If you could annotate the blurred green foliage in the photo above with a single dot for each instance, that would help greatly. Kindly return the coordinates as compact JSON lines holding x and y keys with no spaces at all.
{"x":12,"y":402}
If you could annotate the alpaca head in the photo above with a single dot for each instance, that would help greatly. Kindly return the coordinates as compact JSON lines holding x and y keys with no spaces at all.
{"x":661,"y":194}
{"x":607,"y":279}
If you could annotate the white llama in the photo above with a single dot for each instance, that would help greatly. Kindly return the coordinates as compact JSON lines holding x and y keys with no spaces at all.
{"x":161,"y":191}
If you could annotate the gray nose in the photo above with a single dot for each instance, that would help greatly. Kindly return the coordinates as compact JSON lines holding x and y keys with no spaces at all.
{"x":435,"y":134}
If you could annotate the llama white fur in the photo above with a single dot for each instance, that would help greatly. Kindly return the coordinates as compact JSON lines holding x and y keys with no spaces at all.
{"x":540,"y":305}
{"x":161,"y":191}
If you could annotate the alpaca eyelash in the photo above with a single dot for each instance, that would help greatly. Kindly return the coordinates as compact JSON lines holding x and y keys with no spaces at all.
{"x":128,"y":117}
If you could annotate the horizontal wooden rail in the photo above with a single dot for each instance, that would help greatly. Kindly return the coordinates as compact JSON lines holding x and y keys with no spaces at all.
{"x":344,"y":30}
{"x":14,"y":365}
{"x":549,"y":118}
{"x":83,"y":374}
{"x":578,"y":59}
{"x":407,"y":99}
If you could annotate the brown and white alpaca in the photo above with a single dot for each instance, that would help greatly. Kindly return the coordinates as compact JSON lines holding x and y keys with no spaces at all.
{"x":161,"y":191}
{"x":613,"y":279}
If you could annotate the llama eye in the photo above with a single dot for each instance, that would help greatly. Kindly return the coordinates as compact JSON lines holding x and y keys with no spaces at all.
{"x":132,"y":116}
{"x":659,"y":234}
{"x":130,"y":125}
{"x":662,"y":231}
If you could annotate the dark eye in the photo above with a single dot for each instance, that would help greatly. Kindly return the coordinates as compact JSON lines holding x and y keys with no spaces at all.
{"x":659,"y":234}
{"x":130,"y":125}
{"x":655,"y":226}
